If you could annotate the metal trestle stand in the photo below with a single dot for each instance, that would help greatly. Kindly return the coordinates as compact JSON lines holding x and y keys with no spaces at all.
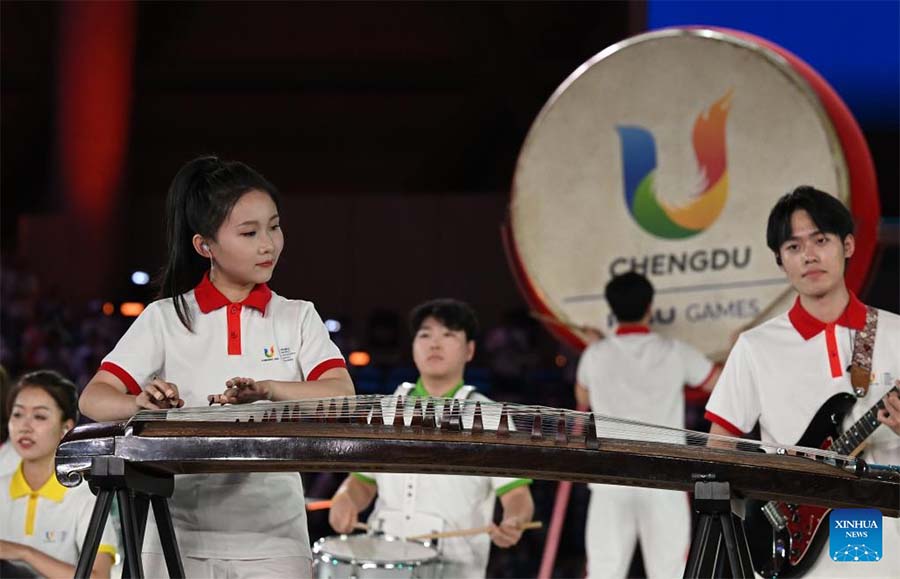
{"x":136,"y":490}
{"x":718,"y":530}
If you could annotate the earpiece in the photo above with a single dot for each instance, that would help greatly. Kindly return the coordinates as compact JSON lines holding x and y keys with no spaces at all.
{"x":205,"y":246}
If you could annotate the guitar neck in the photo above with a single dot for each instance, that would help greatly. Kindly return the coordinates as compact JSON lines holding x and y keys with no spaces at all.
{"x":861,"y":429}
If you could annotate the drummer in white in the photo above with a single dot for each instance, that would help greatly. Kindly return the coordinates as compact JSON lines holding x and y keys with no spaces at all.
{"x":412,"y":504}
{"x":638,"y":375}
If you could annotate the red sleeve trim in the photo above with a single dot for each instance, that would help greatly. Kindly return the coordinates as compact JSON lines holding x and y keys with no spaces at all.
{"x":122,"y":375}
{"x":712,"y":417}
{"x":324,"y":367}
{"x":703,"y":382}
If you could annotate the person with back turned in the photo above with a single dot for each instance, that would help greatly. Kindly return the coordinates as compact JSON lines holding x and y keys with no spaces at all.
{"x":639,"y":375}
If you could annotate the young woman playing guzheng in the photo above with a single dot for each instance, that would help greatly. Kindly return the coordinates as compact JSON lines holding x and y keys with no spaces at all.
{"x":219,"y":334}
{"x":43,"y":521}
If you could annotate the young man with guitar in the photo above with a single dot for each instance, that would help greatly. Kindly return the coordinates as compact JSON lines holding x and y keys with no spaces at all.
{"x":823,"y":374}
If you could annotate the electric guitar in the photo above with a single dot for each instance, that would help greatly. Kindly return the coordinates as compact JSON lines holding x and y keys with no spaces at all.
{"x":785,"y":539}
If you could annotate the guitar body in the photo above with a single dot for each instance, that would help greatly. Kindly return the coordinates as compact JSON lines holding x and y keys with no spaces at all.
{"x":791,"y":550}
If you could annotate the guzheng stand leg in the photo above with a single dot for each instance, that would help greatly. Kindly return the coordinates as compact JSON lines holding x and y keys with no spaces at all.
{"x":132,"y":567}
{"x":140,"y":508}
{"x":717,"y":524}
{"x":94,"y":533}
{"x":135,"y":489}
{"x":141,"y":505}
{"x":167,"y":536}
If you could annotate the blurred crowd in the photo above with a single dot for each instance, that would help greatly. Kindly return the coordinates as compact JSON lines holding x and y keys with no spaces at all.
{"x":41,"y":328}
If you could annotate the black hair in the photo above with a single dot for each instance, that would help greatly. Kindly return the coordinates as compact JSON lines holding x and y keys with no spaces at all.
{"x":826,"y":211}
{"x":60,"y":388}
{"x":201,"y":195}
{"x":455,"y":314}
{"x":629,"y":295}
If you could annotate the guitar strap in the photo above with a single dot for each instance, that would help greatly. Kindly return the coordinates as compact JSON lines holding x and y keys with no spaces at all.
{"x":861,"y":364}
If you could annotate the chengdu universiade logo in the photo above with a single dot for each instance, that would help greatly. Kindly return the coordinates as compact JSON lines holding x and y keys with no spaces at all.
{"x":654,"y":215}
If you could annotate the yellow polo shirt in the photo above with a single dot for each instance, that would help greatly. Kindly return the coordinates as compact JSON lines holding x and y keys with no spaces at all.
{"x":53,"y":519}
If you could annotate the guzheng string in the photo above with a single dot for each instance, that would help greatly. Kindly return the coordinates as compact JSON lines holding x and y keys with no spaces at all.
{"x":540,"y":421}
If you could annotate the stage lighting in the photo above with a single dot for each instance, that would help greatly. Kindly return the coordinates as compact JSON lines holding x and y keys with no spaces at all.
{"x":140,"y":278}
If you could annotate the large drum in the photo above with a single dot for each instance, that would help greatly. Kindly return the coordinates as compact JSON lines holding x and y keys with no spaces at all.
{"x":373,"y":557}
{"x":664,"y":154}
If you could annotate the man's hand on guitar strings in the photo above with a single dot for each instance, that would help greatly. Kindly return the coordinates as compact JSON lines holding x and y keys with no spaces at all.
{"x":890,"y":414}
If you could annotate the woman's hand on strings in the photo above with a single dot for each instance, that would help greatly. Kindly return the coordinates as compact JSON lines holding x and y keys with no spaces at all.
{"x":507,"y":533}
{"x":159,"y":395}
{"x":890,"y":414}
{"x":241,"y":390}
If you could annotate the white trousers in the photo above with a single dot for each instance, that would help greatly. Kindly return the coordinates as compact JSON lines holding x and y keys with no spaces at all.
{"x":194,"y":568}
{"x":619,"y":515}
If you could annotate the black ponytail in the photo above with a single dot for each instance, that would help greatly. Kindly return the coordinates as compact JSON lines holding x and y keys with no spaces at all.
{"x":200,"y":197}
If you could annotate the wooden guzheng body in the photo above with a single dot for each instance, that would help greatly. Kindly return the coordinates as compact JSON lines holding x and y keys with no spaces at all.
{"x":396,"y":434}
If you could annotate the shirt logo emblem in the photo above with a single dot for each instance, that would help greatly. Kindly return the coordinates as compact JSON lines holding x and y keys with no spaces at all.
{"x":55,"y":536}
{"x":272,"y":354}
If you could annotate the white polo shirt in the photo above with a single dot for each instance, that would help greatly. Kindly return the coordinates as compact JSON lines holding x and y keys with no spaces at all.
{"x":265,"y":337}
{"x":781,"y":372}
{"x":416,"y":504}
{"x":52,"y":519}
{"x":639,"y":375}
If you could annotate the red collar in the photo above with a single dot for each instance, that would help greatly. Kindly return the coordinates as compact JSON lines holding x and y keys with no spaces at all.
{"x":632,"y":329}
{"x":854,"y":317}
{"x":209,"y":298}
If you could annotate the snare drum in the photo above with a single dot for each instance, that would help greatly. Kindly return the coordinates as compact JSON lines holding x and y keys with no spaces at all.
{"x":373,"y":557}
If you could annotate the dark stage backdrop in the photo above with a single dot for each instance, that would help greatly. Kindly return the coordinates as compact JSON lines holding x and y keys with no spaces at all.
{"x":391,"y":128}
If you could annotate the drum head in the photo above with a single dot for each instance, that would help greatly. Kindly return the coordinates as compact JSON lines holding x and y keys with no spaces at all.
{"x":665,"y":154}
{"x":376,"y":549}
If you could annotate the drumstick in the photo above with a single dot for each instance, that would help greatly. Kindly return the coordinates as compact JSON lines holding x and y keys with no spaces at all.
{"x":360,"y":526}
{"x":318,"y":505}
{"x":551,"y":320}
{"x":469,"y":532}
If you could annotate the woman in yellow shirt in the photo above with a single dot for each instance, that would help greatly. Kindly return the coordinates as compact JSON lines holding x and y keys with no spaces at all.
{"x":45,"y":522}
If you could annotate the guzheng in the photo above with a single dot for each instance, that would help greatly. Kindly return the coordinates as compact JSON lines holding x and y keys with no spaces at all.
{"x":430,"y":435}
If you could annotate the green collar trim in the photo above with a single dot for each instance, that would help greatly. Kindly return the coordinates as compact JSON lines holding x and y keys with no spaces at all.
{"x":419,"y":390}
